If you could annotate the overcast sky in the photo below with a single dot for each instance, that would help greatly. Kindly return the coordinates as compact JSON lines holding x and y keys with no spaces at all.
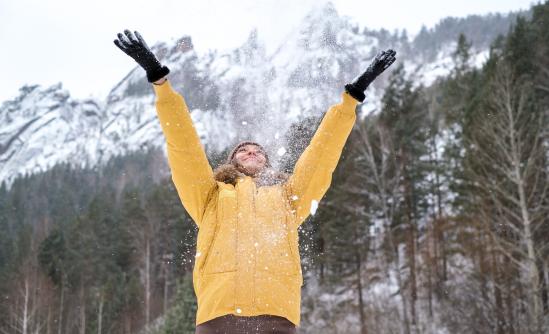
{"x":70,"y":41}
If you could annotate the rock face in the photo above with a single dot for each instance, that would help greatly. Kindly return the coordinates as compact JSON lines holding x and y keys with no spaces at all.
{"x":244,"y":94}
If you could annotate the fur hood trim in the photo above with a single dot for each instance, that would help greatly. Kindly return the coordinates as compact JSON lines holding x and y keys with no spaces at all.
{"x":228,"y":173}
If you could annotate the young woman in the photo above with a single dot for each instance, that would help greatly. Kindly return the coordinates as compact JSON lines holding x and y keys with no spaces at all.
{"x":247,"y":274}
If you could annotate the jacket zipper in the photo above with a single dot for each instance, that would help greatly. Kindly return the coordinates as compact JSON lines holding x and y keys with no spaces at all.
{"x":254,"y":235}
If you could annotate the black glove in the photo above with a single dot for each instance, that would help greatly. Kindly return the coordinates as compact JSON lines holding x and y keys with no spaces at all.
{"x":140,"y":52}
{"x":380,"y":63}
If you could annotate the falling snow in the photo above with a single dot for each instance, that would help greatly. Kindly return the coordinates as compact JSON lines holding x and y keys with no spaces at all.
{"x":314,"y":206}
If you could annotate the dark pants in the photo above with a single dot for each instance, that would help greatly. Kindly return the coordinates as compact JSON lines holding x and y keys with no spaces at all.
{"x":261,"y":324}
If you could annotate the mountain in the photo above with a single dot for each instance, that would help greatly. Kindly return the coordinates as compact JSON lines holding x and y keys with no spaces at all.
{"x":242,"y":94}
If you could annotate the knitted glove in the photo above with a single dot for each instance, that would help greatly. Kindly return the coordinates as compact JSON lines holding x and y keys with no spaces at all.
{"x":381,"y":62}
{"x":142,"y":54}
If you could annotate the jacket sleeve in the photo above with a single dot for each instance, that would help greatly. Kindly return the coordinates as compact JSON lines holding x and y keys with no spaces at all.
{"x":191,"y":171}
{"x":312,"y":173}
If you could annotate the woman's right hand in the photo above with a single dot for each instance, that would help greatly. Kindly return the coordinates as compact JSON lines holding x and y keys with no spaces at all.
{"x":137,"y":48}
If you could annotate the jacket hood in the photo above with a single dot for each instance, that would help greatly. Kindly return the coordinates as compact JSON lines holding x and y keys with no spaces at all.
{"x":229,"y":173}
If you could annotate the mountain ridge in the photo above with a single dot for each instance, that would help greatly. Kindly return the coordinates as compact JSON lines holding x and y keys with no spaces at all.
{"x":233,"y":96}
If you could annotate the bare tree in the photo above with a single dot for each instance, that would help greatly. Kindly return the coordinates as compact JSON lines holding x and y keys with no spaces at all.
{"x":510,"y":173}
{"x":28,"y":298}
{"x":378,"y":179}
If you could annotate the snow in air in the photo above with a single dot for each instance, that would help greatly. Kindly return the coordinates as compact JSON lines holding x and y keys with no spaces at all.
{"x":314,"y":206}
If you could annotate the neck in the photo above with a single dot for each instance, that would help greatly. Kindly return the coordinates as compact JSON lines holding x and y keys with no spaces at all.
{"x":244,"y":171}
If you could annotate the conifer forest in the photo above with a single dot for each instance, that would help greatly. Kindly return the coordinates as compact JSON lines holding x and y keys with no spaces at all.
{"x":437,"y":219}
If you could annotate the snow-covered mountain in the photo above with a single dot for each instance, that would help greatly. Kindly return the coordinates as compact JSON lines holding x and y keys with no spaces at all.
{"x":244,"y":94}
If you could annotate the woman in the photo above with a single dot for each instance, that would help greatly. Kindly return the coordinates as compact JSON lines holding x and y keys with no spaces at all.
{"x":247,"y":274}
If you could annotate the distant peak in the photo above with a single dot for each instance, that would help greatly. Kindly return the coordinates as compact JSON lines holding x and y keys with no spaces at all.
{"x":166,"y":50}
{"x":329,"y":9}
{"x":323,"y":10}
{"x":26,"y":89}
{"x":184,"y":44}
{"x":252,"y":40}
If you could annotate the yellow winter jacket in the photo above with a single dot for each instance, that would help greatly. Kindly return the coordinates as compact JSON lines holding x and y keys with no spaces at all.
{"x":247,"y":257}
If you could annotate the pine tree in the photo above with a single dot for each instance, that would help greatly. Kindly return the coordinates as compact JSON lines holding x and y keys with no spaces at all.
{"x":180,"y":318}
{"x":405,"y":116}
{"x":462,"y":55}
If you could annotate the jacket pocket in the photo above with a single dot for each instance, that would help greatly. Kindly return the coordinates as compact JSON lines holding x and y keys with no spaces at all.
{"x":275,"y":236}
{"x":221,"y":256}
{"x":275,"y":254}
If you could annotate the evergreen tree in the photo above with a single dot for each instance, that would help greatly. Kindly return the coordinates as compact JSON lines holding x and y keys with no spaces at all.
{"x":462,"y":55}
{"x":181,"y":317}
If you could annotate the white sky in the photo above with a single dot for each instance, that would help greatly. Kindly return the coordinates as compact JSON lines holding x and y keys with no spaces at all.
{"x":70,"y":41}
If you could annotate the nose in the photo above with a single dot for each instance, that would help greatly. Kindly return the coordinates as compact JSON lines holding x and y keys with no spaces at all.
{"x":251,"y":154}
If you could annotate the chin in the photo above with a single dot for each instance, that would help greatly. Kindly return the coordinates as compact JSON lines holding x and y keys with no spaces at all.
{"x":250,"y":170}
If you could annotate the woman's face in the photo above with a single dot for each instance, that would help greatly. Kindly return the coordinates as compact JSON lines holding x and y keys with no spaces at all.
{"x":251,"y":159}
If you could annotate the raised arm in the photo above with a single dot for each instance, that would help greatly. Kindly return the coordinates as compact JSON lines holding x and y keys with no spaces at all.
{"x":312,"y":173}
{"x":191,"y":171}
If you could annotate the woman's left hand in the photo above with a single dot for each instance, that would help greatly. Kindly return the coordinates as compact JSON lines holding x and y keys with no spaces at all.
{"x":381,"y":62}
